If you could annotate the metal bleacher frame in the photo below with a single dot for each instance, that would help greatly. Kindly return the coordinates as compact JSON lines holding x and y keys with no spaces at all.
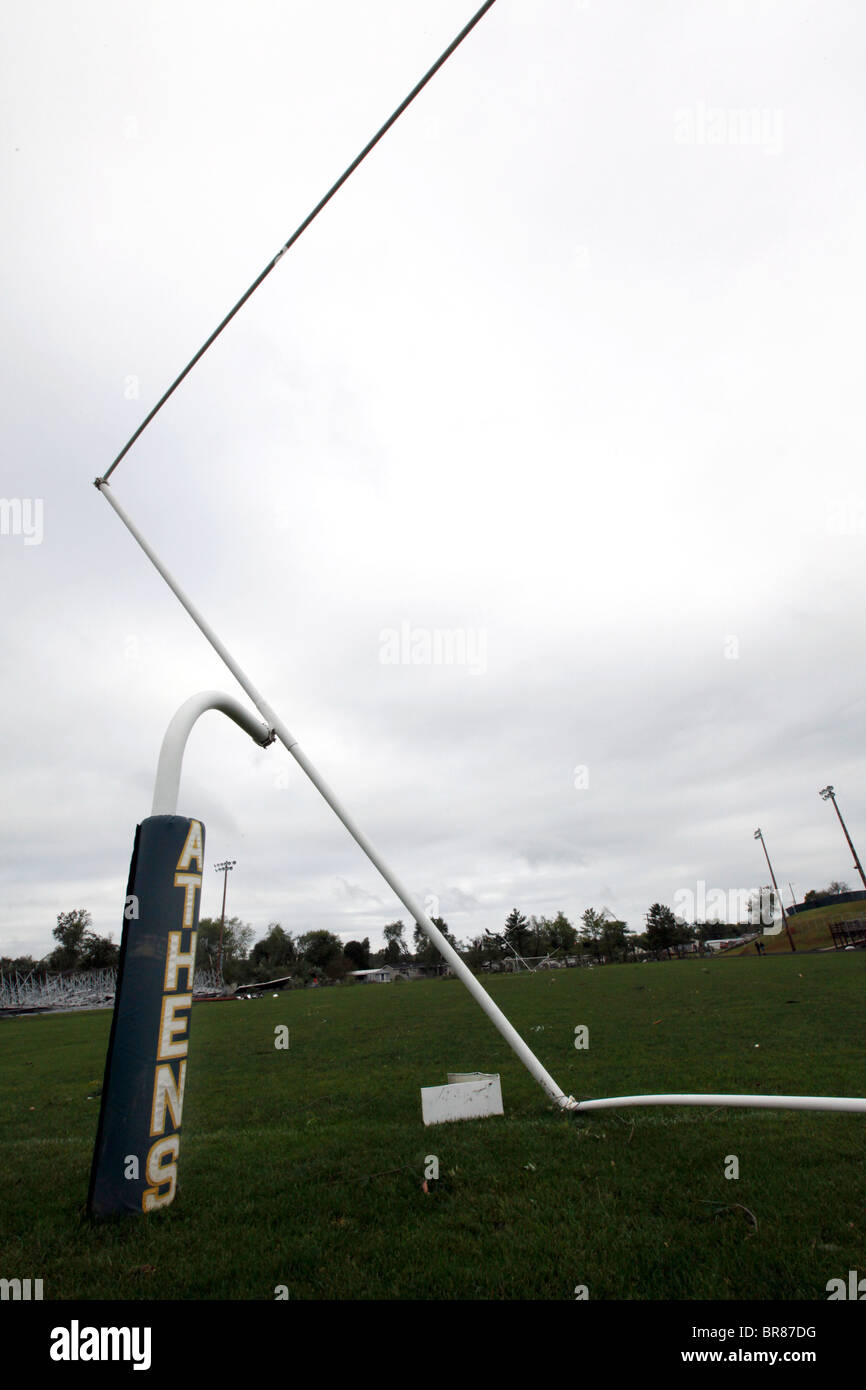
{"x":850,"y":933}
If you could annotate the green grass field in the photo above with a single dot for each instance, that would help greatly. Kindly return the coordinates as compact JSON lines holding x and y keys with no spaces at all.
{"x":304,"y":1167}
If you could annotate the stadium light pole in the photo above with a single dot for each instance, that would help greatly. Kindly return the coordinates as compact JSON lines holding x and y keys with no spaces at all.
{"x":224,"y":870}
{"x":759,"y":836}
{"x":828,"y":794}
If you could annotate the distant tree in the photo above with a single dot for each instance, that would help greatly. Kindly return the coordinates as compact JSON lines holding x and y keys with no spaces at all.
{"x":551,"y":934}
{"x":661,"y":928}
{"x":80,"y":948}
{"x":614,"y":941}
{"x":517,"y":932}
{"x":358,"y":954}
{"x":538,"y":936}
{"x":395,"y":946}
{"x":834,"y":887}
{"x":493,"y":946}
{"x":17,"y":965}
{"x":421,"y":941}
{"x":338,"y":967}
{"x":686,"y":932}
{"x":320,"y":948}
{"x":273,"y":955}
{"x":71,"y":929}
{"x":237,"y":939}
{"x":593,"y":926}
{"x":561,"y":935}
{"x":425,"y":952}
{"x":473,"y":953}
{"x":98,"y":953}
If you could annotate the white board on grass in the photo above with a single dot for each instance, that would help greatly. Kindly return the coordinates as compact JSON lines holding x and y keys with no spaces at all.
{"x":469,"y":1096}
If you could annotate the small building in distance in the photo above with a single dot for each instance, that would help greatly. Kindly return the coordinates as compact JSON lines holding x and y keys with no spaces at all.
{"x":387,"y":974}
{"x":381,"y":975}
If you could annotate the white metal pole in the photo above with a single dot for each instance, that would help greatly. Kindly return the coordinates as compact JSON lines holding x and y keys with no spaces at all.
{"x":496,"y":1016}
{"x":174,"y":743}
{"x":750,"y":1102}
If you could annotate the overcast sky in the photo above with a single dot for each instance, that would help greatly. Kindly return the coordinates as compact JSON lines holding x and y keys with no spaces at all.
{"x":566,"y":383}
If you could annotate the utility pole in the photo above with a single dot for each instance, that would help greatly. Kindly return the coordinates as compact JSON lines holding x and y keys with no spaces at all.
{"x":827,"y":794}
{"x":759,"y":836}
{"x":224,"y":870}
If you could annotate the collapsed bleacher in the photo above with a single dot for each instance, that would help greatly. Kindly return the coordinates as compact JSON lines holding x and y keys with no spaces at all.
{"x":850,"y":933}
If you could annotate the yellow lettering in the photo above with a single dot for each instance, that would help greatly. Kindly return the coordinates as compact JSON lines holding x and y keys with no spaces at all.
{"x":167,"y":1092}
{"x":194,"y":848}
{"x":189,"y":883}
{"x":169,"y":1025}
{"x":160,"y":1172}
{"x":176,"y":960}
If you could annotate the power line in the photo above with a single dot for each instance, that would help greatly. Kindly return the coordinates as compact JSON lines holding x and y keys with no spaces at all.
{"x":443,"y":58}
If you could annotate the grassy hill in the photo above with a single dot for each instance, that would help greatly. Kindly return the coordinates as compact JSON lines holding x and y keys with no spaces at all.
{"x":810,"y":930}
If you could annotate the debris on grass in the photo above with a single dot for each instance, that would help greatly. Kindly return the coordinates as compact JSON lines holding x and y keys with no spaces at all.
{"x":722,"y":1208}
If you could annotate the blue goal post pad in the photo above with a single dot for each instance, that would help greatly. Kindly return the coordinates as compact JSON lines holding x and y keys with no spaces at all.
{"x":135,"y":1158}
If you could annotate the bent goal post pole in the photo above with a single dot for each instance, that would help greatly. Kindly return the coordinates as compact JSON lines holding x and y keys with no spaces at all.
{"x":279,"y":730}
{"x":849,"y":1103}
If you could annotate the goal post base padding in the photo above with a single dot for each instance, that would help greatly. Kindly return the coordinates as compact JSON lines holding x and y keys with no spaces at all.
{"x":138,"y":1139}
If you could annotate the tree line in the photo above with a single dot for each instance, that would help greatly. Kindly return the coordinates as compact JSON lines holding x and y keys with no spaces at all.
{"x":599,"y":935}
{"x":78,"y":948}
{"x":323,"y":954}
